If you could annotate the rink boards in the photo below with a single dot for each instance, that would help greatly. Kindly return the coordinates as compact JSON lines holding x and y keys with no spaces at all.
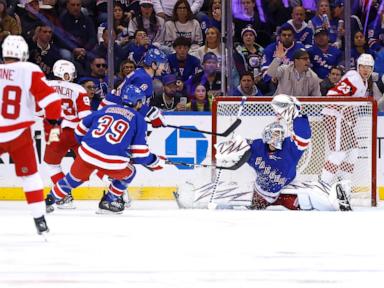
{"x":176,"y":145}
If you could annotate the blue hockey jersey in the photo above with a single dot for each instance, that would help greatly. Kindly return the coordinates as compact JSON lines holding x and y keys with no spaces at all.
{"x":274,"y":170}
{"x":322,"y":62}
{"x":112,"y":136}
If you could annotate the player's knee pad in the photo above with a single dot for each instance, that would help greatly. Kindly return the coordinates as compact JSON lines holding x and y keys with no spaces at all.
{"x":336,"y":157}
{"x":32,"y":182}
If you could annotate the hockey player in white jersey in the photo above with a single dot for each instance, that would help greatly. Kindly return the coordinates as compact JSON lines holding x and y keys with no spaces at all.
{"x":75,"y":106}
{"x":341,"y":121}
{"x":274,"y":159}
{"x":23,"y":87}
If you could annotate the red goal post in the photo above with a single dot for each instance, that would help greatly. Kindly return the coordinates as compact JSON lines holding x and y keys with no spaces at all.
{"x":257,"y":113}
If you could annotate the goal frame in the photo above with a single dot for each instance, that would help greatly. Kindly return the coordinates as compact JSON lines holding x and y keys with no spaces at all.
{"x":259,"y":99}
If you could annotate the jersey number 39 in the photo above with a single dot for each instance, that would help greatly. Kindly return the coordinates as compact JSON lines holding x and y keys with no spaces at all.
{"x":113,"y":130}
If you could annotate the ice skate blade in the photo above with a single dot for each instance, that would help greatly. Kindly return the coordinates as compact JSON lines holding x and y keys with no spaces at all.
{"x":66,"y":207}
{"x":108,"y":212}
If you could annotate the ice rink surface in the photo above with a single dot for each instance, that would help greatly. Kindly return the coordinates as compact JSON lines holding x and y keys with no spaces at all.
{"x":155,"y":245}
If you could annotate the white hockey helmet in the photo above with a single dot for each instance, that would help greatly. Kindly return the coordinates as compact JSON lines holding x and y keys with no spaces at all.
{"x":274,"y":134}
{"x":64,"y":70}
{"x":14,"y":46}
{"x":365,"y":59}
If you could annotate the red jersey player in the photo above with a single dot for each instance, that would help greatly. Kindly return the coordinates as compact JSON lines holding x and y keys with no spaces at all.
{"x":22,"y":86}
{"x":75,"y":106}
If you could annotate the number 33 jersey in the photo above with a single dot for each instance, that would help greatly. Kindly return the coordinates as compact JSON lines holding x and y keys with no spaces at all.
{"x":22,"y":86}
{"x":75,"y":103}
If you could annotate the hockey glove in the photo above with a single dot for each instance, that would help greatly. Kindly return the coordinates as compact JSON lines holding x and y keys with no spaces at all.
{"x":156,"y":118}
{"x":286,"y":107}
{"x":233,"y":153}
{"x":52,"y":131}
{"x":157,"y":164}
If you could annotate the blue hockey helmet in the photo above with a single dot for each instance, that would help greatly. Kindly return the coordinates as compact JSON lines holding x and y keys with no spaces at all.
{"x":156,"y":56}
{"x":273,"y":134}
{"x":131,"y":94}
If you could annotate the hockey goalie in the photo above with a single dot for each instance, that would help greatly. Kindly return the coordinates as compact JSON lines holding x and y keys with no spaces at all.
{"x":273,"y":160}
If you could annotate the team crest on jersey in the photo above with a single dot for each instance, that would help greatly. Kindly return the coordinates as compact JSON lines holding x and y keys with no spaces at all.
{"x":143,"y":87}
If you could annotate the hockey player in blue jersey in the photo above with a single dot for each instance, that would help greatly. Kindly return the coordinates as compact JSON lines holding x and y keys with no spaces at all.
{"x":112,"y":139}
{"x":274,"y":159}
{"x":154,"y":64}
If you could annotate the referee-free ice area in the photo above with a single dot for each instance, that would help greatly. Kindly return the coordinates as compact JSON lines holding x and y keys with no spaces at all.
{"x":153,"y":245}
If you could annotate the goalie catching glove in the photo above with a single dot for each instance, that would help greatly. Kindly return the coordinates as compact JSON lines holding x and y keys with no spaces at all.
{"x":286,"y":107}
{"x":232,"y":154}
{"x":156,"y":118}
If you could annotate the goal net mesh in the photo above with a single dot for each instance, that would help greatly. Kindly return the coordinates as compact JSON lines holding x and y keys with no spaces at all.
{"x":335,"y":124}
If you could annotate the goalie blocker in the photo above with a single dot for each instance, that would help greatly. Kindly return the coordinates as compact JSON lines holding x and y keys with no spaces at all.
{"x":274,"y":159}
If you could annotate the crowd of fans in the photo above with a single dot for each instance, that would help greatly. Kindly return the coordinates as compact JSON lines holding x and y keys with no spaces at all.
{"x":307,"y":36}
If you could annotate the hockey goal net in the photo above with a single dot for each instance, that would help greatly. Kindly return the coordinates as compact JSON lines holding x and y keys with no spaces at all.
{"x":257,"y":112}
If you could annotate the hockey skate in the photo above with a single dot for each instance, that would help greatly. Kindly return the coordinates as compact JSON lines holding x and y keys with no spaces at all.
{"x":343,"y":198}
{"x":66,"y":202}
{"x":41,"y":225}
{"x":49,"y":202}
{"x":127,"y":200}
{"x":111,"y":204}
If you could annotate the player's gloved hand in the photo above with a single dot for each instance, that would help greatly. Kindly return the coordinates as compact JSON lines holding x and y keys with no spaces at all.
{"x":157,"y":164}
{"x":52,"y":131}
{"x":156,"y":118}
{"x":232,"y":153}
{"x":286,"y":107}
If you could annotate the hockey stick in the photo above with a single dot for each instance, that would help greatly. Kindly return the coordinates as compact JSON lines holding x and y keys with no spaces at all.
{"x":226,"y":133}
{"x":196,"y":165}
{"x":211,"y":204}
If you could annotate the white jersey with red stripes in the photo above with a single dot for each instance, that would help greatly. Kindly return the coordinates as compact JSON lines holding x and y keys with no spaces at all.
{"x":22,"y":86}
{"x":75,"y":102}
{"x":351,"y":84}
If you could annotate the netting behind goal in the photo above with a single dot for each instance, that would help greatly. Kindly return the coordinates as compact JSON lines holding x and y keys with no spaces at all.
{"x":355,"y":130}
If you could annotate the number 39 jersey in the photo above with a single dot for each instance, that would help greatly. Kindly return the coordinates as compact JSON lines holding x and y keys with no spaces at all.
{"x":22,"y":86}
{"x":110,"y":137}
{"x":75,"y":102}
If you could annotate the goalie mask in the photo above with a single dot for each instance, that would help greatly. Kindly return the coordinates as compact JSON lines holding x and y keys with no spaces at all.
{"x":274,"y":134}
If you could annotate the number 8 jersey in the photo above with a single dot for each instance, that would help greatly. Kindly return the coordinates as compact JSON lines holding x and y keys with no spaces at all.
{"x":22,"y":86}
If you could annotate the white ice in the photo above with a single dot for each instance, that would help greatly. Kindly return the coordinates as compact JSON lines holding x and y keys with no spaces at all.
{"x":156,"y":245}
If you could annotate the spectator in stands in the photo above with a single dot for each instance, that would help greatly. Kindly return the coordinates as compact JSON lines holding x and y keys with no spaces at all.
{"x":148,"y":20}
{"x":210,"y":77}
{"x":248,"y":55}
{"x":359,"y":47}
{"x":286,"y":38}
{"x":126,"y":67}
{"x":120,"y":26}
{"x":80,"y":35}
{"x":183,"y":24}
{"x":182,"y":64}
{"x":42,"y":50}
{"x":101,"y":50}
{"x":200,"y":100}
{"x":323,"y":56}
{"x":247,"y":86}
{"x":212,"y":44}
{"x":137,"y":48}
{"x":90,"y":87}
{"x":29,"y":19}
{"x":303,"y":33}
{"x":323,"y":19}
{"x":165,"y":8}
{"x":334,"y":76}
{"x":98,"y":73}
{"x":169,"y":100}
{"x":211,"y":18}
{"x":296,"y":78}
{"x":376,"y":32}
{"x":8,"y":24}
